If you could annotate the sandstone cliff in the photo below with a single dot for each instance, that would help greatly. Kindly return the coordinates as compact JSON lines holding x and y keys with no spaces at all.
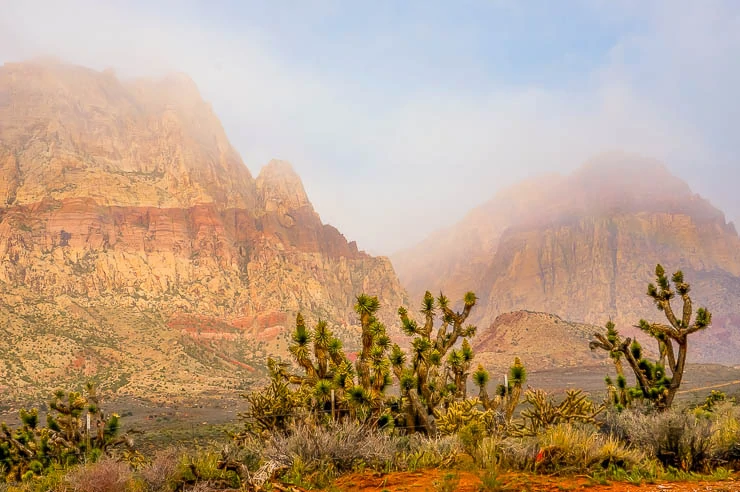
{"x":584,"y":247}
{"x":128,"y":195}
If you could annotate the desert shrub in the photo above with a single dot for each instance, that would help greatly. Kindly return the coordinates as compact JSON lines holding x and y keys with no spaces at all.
{"x":725,"y":445}
{"x":577,"y":448}
{"x":419,"y":451}
{"x":203,"y":466}
{"x":244,"y":458}
{"x":500,"y":453}
{"x":159,"y":475}
{"x":677,"y":439}
{"x":341,"y":447}
{"x":54,"y":478}
{"x":107,"y":475}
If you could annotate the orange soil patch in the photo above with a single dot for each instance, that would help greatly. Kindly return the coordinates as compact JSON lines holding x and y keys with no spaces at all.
{"x":427,"y":480}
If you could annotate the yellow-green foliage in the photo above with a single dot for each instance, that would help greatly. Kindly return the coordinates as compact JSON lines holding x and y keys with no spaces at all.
{"x":430,"y":452}
{"x":460,"y":414}
{"x":725,"y":419}
{"x":571,"y":448}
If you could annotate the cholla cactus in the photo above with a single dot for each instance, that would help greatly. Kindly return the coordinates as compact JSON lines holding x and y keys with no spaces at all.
{"x":544,"y":413}
{"x":66,"y":439}
{"x":654,"y":382}
{"x":462,"y":413}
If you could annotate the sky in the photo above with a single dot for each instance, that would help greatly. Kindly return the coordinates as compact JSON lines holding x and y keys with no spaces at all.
{"x":402,"y":116}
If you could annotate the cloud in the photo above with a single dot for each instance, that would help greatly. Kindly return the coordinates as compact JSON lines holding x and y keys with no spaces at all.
{"x":400,"y":119}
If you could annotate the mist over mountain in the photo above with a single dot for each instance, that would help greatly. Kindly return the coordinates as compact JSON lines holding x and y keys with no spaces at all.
{"x":584,"y":247}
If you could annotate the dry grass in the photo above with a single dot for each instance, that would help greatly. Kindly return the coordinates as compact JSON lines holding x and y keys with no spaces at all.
{"x":343,"y":445}
{"x":162,"y":471}
{"x":106,"y":475}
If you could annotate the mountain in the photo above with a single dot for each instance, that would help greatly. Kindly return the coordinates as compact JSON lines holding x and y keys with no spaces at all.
{"x":584,"y":247}
{"x":135,"y":243}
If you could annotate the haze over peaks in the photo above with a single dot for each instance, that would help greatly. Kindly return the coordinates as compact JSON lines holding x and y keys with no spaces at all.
{"x":452,"y":101}
{"x":584,"y":247}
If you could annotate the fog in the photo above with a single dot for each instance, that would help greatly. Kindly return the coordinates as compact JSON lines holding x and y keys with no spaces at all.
{"x":399,"y":119}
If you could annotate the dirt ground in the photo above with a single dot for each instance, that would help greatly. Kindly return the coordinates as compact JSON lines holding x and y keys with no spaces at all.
{"x":448,"y":480}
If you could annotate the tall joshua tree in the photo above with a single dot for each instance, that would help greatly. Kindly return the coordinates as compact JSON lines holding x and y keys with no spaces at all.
{"x":436,"y":371}
{"x":653,"y":381}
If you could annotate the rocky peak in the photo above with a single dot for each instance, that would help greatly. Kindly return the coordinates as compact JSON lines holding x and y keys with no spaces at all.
{"x":124,"y":204}
{"x":620,"y":182}
{"x":70,"y":131}
{"x":280,"y":187}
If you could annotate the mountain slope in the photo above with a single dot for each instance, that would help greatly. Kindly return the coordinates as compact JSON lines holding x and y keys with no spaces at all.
{"x":584,"y":247}
{"x":127,"y":197}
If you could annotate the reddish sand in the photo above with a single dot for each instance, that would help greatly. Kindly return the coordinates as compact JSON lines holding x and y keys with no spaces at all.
{"x":428,"y":480}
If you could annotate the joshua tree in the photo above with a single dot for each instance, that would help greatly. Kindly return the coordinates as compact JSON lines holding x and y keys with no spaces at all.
{"x":358,"y":389}
{"x":431,"y":376}
{"x":436,"y":372}
{"x":507,"y":396}
{"x":76,"y":430}
{"x":653,"y":382}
